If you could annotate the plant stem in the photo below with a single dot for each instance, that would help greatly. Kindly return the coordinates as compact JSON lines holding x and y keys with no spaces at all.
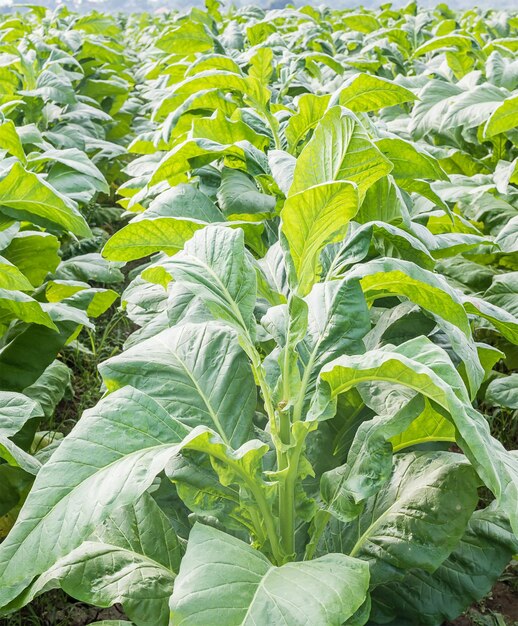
{"x":268,"y":519}
{"x":272,"y":121}
{"x":287,"y":496}
{"x":320,"y":522}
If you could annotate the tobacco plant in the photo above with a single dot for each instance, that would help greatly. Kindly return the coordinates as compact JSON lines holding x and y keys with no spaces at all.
{"x":294,"y":434}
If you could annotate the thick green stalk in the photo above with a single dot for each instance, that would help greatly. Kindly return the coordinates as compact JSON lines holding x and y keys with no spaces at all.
{"x":287,"y":486}
{"x":319,"y":524}
{"x":269,"y":521}
{"x":272,"y":121}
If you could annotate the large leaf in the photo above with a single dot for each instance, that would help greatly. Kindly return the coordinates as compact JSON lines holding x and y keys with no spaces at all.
{"x":503,"y":292}
{"x":369,"y":462}
{"x":49,"y":389}
{"x":503,"y":118}
{"x":224,"y":580}
{"x":504,"y":391}
{"x":89,"y":267}
{"x":466,"y":576}
{"x":18,"y":305}
{"x":382,"y":277}
{"x":238,"y":195}
{"x":146,"y":236}
{"x":339,"y":149}
{"x":24,"y":195}
{"x":310,"y":110}
{"x":35,"y":254}
{"x":15,"y":410}
{"x":421,"y":367}
{"x":130,"y":438}
{"x":215,"y":267}
{"x":131,"y":559}
{"x":415,"y":520}
{"x":365,"y":92}
{"x":185,"y":381}
{"x":313,"y":218}
{"x":11,"y":278}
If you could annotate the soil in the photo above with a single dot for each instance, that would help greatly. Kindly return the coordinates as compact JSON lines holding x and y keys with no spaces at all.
{"x":57,"y":609}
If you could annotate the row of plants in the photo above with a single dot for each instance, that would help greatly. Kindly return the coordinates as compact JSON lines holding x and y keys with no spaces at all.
{"x":62,"y":140}
{"x":322,"y":239}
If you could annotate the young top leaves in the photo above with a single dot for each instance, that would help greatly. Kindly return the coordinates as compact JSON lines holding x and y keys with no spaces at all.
{"x":330,"y":179}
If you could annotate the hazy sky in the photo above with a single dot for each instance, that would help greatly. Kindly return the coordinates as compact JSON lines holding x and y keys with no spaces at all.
{"x":183,"y":4}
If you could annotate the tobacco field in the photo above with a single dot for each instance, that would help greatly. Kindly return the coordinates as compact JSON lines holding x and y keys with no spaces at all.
{"x":258,"y":315}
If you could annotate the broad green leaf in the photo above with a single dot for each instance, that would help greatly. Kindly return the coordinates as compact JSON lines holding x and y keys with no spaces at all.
{"x":365,"y":92}
{"x":369,"y":462}
{"x":227,"y":82}
{"x":431,"y":425}
{"x":339,"y":150}
{"x":15,"y":456}
{"x":383,"y":202}
{"x":426,"y":369}
{"x":18,"y":305}
{"x":145,"y":236}
{"x":35,"y":254}
{"x":223,"y":579}
{"x":410,"y":160}
{"x":131,"y":559}
{"x":312,"y":218}
{"x":472,"y":108}
{"x":444,"y":42}
{"x":49,"y":389}
{"x":338,"y":320}
{"x":130,"y":439}
{"x":186,"y":38}
{"x":218,"y":128}
{"x":261,"y":65}
{"x":310,"y":110}
{"x":507,"y":238}
{"x":465,"y":577}
{"x":185,"y":201}
{"x":388,"y":240}
{"x":182,"y":358}
{"x":238,"y":195}
{"x":199,"y":488}
{"x":434,"y":101}
{"x":24,"y":195}
{"x":24,"y":359}
{"x":89,"y":267}
{"x":192,"y":153}
{"x":11,"y":278}
{"x":77,"y":161}
{"x":215,"y":267}
{"x":504,"y":391}
{"x":362,"y":22}
{"x":8,"y":230}
{"x":93,"y":301}
{"x":415,"y":520}
{"x":503,"y":321}
{"x":503,"y":119}
{"x":15,"y":410}
{"x":383,"y":277}
{"x":503,"y":292}
{"x":212,"y":61}
{"x":10,"y":141}
{"x":282,"y":166}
